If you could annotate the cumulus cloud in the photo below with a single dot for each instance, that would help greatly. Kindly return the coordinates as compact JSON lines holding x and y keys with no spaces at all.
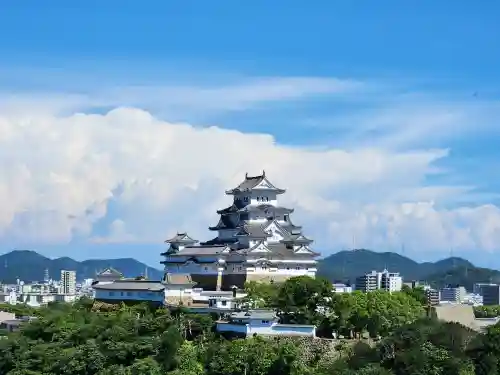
{"x":128,"y":176}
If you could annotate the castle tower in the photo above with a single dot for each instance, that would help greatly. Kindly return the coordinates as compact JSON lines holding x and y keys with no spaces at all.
{"x":255,"y":240}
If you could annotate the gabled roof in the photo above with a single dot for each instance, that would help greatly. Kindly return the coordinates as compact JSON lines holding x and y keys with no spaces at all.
{"x":280,"y":251}
{"x":224,"y":223}
{"x":304,"y":249}
{"x":261,"y":245}
{"x":255,"y":231}
{"x":181,"y":238}
{"x":255,"y":182}
{"x":110,"y":271}
{"x":237,"y":204}
{"x":297,"y":239}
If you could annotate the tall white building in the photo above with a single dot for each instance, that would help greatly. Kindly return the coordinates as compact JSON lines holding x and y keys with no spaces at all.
{"x":385,"y":280}
{"x":68,"y":282}
{"x":255,"y":240}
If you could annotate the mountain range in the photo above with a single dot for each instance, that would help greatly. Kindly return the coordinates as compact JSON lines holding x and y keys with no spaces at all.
{"x":28,"y":265}
{"x":343,"y":266}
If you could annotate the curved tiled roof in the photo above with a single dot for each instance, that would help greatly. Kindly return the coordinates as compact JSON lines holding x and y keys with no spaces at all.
{"x":252,"y":182}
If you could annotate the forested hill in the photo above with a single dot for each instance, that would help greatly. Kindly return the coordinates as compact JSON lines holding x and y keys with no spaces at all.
{"x":28,"y":265}
{"x":347,"y":265}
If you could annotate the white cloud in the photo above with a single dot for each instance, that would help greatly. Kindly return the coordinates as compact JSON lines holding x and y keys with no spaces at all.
{"x":129,"y":176}
{"x":171,"y":98}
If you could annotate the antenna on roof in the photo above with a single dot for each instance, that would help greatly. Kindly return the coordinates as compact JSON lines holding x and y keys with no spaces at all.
{"x":246,"y":175}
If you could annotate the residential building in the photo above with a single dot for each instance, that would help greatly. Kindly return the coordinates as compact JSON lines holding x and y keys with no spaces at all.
{"x":385,"y":280}
{"x":473,"y":299}
{"x":491,"y":294}
{"x":68,"y":282}
{"x":342,"y":288}
{"x":453,"y":294}
{"x":256,"y":240}
{"x":412,"y":284}
{"x":10,"y":323}
{"x":129,"y":290}
{"x":265,"y":323}
{"x":432,"y":296}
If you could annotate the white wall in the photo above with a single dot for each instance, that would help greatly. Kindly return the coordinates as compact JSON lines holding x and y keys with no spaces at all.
{"x":130,"y":295}
{"x":273,"y":329}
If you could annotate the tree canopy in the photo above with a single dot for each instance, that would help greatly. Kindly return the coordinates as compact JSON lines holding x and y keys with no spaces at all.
{"x":94,"y":339}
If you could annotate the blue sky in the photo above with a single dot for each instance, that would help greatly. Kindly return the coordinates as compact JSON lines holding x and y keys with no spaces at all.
{"x":409,"y":86}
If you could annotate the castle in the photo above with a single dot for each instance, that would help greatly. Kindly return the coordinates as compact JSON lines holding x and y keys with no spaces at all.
{"x":256,"y":241}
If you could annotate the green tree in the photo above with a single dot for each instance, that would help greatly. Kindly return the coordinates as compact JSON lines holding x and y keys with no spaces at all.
{"x":301,"y":299}
{"x":260,"y":294}
{"x":417,"y":293}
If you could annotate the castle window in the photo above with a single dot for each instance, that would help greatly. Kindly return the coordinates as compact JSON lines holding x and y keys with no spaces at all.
{"x":245,"y":199}
{"x":285,"y":218}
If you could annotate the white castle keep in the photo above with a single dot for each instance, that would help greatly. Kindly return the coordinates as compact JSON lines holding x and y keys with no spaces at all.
{"x":256,"y":240}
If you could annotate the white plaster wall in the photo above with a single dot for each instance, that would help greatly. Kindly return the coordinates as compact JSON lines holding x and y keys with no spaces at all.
{"x":130,"y":295}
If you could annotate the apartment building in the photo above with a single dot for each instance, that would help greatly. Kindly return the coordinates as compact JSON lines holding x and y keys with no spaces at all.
{"x":385,"y":280}
{"x":68,"y":282}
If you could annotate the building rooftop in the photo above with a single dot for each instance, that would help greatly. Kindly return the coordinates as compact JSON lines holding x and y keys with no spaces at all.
{"x":147,"y":285}
{"x":181,"y":238}
{"x":202,"y":250}
{"x":110,"y":271}
{"x":262,"y":315}
{"x":253,"y":230}
{"x":252,"y":182}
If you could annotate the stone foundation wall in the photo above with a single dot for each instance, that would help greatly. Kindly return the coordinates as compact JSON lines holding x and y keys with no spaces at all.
{"x":186,"y":301}
{"x":207,"y":282}
{"x":267,"y":278}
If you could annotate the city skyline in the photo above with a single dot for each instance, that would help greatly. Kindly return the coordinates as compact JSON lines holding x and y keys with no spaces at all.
{"x":381,"y":122}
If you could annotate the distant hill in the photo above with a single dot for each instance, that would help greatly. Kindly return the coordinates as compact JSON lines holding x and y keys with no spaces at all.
{"x":28,"y":265}
{"x":465,"y":276}
{"x":347,"y":265}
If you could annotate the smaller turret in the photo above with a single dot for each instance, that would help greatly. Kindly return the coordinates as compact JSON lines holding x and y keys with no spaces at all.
{"x":179,"y":242}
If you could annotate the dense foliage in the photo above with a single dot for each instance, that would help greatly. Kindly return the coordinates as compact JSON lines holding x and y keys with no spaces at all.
{"x":487,"y":311}
{"x":90,"y":339}
{"x":303,"y":300}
